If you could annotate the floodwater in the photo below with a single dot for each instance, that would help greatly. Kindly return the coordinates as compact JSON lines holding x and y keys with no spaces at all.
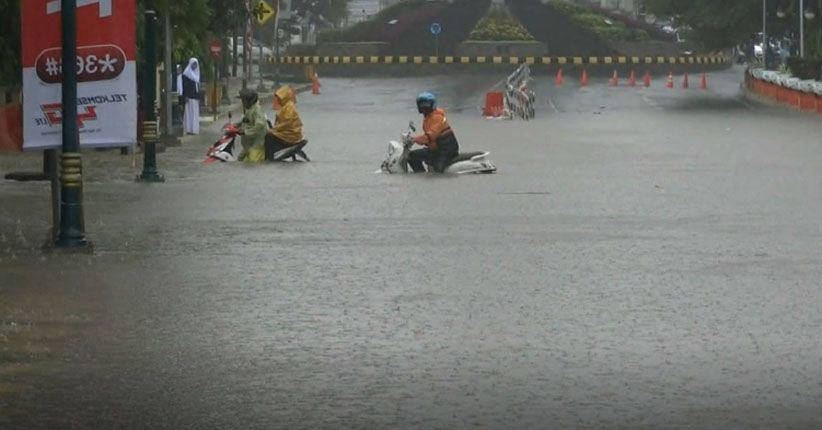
{"x":644,"y":258}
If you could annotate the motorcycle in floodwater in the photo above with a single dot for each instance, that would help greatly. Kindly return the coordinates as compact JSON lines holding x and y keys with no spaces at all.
{"x":225,"y":148}
{"x":463,"y":163}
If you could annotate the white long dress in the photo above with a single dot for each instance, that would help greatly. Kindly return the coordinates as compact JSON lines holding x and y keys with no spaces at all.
{"x":191,"y":117}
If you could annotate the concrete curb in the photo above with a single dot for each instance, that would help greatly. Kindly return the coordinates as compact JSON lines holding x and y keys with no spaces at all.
{"x":764,"y":101}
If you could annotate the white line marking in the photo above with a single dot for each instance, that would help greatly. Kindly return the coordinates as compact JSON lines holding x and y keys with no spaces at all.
{"x":650,"y":102}
{"x":553,"y":106}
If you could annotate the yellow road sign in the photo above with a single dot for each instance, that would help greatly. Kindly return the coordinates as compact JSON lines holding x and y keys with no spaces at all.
{"x":264,"y":12}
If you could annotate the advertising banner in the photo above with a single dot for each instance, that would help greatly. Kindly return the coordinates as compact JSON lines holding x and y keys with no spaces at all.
{"x":106,"y":73}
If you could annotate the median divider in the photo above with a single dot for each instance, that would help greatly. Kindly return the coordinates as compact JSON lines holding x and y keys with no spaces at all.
{"x":782,"y":88}
{"x":503,"y":60}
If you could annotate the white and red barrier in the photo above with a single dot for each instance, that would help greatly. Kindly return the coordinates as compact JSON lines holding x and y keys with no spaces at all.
{"x":782,"y":88}
{"x":516,"y":100}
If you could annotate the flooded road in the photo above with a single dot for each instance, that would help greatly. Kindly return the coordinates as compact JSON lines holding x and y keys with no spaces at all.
{"x":644,"y":258}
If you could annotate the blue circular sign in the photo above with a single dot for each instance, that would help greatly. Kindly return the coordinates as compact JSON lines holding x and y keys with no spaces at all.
{"x":436,"y":28}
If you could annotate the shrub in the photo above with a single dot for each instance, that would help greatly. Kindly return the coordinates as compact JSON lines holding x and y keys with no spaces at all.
{"x":499,"y":26}
{"x":806,"y":68}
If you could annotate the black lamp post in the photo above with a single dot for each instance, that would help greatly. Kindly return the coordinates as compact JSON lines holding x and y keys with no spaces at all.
{"x":72,"y":224}
{"x":149,"y":173}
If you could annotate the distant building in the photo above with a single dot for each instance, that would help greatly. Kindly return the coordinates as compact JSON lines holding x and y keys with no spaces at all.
{"x":633,"y":7}
{"x":630,"y":6}
{"x":361,"y":10}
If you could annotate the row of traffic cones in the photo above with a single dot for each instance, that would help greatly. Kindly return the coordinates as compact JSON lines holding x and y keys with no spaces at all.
{"x":703,"y":83}
{"x":632,"y":80}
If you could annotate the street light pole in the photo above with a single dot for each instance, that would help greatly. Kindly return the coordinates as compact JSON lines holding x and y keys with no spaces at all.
{"x":168,"y":76}
{"x":277,"y":49}
{"x":72,"y":224}
{"x":765,"y":44}
{"x":149,"y":173}
{"x":802,"y":28}
{"x":764,"y":25}
{"x":261,"y":88}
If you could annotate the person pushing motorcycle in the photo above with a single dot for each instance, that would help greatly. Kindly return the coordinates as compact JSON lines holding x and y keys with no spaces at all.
{"x":253,"y":128}
{"x":440,"y":143}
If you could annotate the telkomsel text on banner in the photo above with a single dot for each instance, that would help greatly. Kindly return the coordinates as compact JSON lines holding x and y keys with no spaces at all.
{"x":106,"y":73}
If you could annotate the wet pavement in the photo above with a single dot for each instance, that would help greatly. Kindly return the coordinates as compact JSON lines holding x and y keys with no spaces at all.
{"x":644,"y":258}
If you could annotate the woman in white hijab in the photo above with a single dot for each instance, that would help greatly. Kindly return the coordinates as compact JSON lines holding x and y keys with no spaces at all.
{"x":191,"y":92}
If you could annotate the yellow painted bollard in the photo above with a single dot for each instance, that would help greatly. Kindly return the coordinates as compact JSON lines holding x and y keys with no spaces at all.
{"x":309,"y":71}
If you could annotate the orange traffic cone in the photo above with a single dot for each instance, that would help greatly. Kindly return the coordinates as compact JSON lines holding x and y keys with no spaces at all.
{"x":647,"y":79}
{"x":704,"y":84}
{"x":584,"y":79}
{"x":685,"y":83}
{"x":615,"y":79}
{"x":670,"y":82}
{"x":315,"y":84}
{"x":558,"y":80}
{"x":632,"y":78}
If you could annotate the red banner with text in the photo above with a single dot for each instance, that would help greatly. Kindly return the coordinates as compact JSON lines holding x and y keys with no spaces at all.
{"x":106,"y":73}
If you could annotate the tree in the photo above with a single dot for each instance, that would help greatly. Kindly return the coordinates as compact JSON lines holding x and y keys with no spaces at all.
{"x":191,"y":21}
{"x":726,"y":23}
{"x":716,"y":24}
{"x":321,"y":12}
{"x":10,"y":72}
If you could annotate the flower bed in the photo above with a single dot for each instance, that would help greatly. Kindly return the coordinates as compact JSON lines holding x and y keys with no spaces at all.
{"x":805,"y":95}
{"x":499,"y":26}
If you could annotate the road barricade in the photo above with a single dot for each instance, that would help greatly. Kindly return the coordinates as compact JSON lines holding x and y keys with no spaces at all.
{"x":519,"y":99}
{"x":803,"y":95}
{"x":11,"y":120}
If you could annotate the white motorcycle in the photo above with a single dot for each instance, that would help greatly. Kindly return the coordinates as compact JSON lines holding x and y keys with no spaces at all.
{"x":467,"y":162}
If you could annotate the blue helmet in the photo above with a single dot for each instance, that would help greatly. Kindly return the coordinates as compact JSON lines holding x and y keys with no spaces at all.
{"x":426,"y":102}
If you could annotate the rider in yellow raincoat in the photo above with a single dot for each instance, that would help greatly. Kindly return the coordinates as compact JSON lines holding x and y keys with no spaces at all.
{"x":253,"y":128}
{"x":288,"y":127}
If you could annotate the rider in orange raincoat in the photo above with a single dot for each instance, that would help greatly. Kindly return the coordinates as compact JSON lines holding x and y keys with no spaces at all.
{"x":440,"y":143}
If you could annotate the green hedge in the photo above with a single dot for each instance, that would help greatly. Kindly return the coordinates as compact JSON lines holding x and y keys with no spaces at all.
{"x":597,"y":24}
{"x":10,"y":72}
{"x":499,"y":26}
{"x":806,"y":68}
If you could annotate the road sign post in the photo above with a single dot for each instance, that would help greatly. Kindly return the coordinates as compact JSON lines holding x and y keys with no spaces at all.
{"x":264,"y":12}
{"x":247,"y":44}
{"x":225,"y":99}
{"x":215,"y":49}
{"x":261,"y":88}
{"x":436,"y":29}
